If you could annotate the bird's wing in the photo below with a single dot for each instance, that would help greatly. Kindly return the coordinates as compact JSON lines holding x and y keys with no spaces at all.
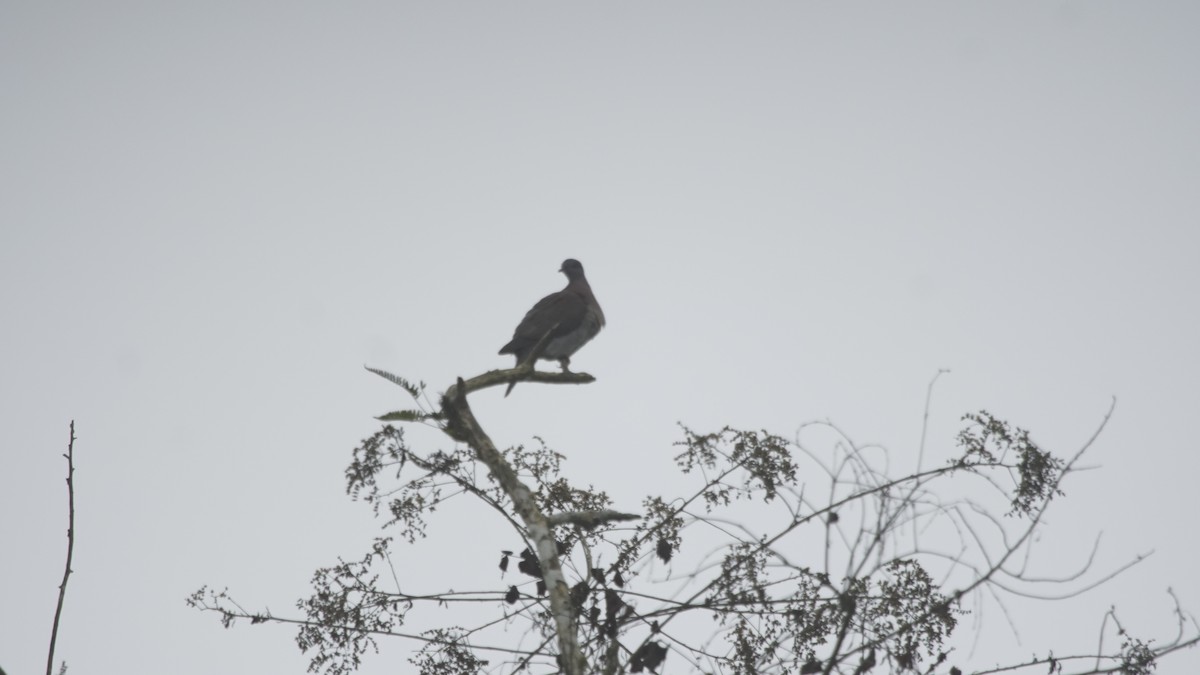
{"x":564,"y":308}
{"x":562,"y":311}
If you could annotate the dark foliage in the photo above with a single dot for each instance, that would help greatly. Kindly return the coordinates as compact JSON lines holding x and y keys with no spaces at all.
{"x":792,"y":563}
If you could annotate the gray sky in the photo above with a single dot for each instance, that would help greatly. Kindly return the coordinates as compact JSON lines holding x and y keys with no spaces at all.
{"x":211,"y":216}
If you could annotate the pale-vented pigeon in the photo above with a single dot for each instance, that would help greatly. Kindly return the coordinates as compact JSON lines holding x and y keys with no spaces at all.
{"x":571,"y":316}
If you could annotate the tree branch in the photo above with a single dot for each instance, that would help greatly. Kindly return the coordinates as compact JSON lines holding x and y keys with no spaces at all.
{"x":62,"y":588}
{"x":523,"y":373}
{"x":461,"y":424}
{"x":589,"y":519}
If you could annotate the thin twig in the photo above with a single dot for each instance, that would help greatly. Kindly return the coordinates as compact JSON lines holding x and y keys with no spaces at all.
{"x":925,"y":418}
{"x":62,"y":588}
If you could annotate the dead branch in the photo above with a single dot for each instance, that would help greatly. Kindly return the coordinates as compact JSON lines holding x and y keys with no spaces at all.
{"x":62,"y":588}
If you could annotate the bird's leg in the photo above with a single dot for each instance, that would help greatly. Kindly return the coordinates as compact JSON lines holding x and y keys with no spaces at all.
{"x":565,"y":362}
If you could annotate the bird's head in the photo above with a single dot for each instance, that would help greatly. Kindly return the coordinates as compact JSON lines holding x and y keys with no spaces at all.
{"x":572,"y":268}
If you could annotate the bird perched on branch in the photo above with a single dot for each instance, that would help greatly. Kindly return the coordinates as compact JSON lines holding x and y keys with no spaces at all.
{"x":568,"y":319}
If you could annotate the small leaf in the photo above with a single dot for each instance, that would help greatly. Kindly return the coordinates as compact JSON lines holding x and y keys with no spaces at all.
{"x":663,"y":550}
{"x":612,"y":604}
{"x":866,"y":664}
{"x":649,"y":655}
{"x":579,"y":593}
{"x":413,"y":390}
{"x":529,"y":565}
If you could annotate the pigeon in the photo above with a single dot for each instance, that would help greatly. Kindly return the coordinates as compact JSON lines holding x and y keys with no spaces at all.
{"x":571,"y":316}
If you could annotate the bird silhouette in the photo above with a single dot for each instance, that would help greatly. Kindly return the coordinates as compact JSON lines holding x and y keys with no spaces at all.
{"x":571,"y":318}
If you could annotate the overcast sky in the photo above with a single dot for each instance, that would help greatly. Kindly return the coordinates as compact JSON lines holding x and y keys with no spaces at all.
{"x":213,"y":214}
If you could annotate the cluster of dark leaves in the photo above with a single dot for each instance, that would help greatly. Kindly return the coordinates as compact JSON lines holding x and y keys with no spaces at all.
{"x":775,"y":617}
{"x":343,"y":621}
{"x":773,"y":622}
{"x":540,"y":466}
{"x":661,"y":524}
{"x":530,"y":566}
{"x":1137,"y":658}
{"x":763,"y":460}
{"x":345,"y":611}
{"x":417,"y":392}
{"x":899,"y":612}
{"x":649,"y":656}
{"x":384,"y":448}
{"x":219,"y":601}
{"x":606,"y":613}
{"x":555,"y":494}
{"x":768,"y":629}
{"x":906,"y":613}
{"x":764,"y":627}
{"x":742,"y":583}
{"x":447,"y":652}
{"x":539,"y":463}
{"x":413,"y":499}
{"x":991,"y":441}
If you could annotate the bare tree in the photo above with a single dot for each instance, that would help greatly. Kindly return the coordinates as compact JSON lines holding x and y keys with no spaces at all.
{"x":796,"y":560}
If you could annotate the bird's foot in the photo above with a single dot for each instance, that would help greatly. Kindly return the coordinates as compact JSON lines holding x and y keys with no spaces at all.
{"x":565,"y":364}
